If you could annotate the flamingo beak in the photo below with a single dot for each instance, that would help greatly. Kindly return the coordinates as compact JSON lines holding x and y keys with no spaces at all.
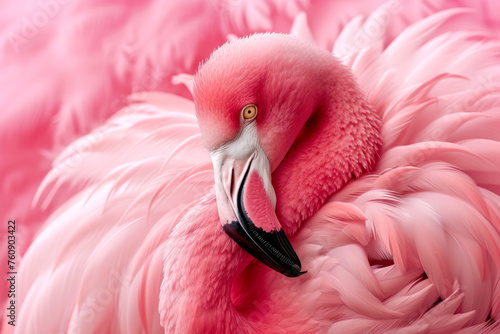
{"x":246,"y":202}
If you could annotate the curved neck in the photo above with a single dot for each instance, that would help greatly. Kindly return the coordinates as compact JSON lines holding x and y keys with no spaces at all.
{"x":339,"y":142}
{"x":200,"y":265}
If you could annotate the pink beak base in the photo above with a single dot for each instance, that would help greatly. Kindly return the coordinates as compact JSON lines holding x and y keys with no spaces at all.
{"x":257,"y":229}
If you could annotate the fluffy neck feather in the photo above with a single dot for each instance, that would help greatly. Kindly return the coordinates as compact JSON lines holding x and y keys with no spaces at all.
{"x":339,"y":142}
{"x":200,"y":265}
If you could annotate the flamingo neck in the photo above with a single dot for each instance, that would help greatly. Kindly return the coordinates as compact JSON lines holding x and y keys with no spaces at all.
{"x":339,"y":142}
{"x":200,"y":265}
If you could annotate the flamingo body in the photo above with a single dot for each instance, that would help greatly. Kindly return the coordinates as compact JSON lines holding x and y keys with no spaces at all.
{"x":402,"y":237}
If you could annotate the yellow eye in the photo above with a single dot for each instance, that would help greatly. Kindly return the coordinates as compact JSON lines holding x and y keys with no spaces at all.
{"x":249,"y":111}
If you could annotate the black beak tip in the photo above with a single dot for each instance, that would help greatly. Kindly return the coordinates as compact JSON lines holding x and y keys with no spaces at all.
{"x":270,"y":247}
{"x":289,"y":268}
{"x":293,"y":272}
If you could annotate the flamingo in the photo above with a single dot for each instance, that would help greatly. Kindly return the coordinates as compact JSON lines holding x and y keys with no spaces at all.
{"x":386,"y":190}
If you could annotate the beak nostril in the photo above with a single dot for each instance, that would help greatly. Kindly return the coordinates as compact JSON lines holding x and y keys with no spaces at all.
{"x":231,"y":187}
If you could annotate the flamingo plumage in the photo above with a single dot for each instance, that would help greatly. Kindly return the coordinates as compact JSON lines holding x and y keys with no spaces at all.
{"x":406,"y":240}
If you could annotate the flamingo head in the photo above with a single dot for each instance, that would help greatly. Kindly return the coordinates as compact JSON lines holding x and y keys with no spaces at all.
{"x":253,"y":97}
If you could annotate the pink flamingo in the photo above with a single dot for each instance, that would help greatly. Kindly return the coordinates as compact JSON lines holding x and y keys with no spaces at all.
{"x":392,"y":199}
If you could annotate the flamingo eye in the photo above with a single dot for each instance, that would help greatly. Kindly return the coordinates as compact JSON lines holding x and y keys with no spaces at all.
{"x":249,"y":111}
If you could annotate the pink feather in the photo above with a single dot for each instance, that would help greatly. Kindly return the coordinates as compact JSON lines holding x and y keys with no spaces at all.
{"x":104,"y":169}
